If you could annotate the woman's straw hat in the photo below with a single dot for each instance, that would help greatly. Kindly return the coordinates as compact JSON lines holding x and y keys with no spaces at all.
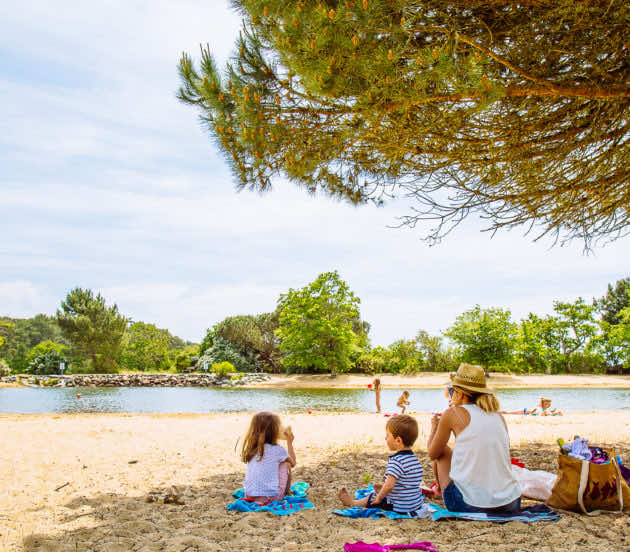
{"x":471,"y":378}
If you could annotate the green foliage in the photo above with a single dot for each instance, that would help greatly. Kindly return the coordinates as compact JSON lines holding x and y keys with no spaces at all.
{"x":574,"y":330}
{"x":5,"y":370}
{"x":468,"y":107}
{"x":95,"y":330}
{"x":45,"y":358}
{"x":615,"y":300}
{"x":186,"y":358}
{"x":20,"y":335}
{"x":404,"y":357}
{"x":316,"y":325}
{"x":207,"y":341}
{"x":224,"y":351}
{"x":222,"y":368}
{"x":537,"y":344}
{"x":484,"y":336}
{"x":436,"y":358}
{"x":254,"y":334}
{"x":146,"y":348}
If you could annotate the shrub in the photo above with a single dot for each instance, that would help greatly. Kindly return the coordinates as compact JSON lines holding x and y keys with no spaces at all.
{"x":185,"y":359}
{"x":4,"y":368}
{"x":45,"y":358}
{"x":224,"y":351}
{"x":222,"y":368}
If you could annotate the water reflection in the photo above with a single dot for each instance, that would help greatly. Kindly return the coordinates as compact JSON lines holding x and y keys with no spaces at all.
{"x":200,"y":400}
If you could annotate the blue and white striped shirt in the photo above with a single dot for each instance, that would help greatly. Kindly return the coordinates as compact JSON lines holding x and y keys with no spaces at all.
{"x":406,"y":495}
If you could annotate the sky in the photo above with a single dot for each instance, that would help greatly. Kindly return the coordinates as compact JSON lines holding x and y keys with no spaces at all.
{"x":107,"y":182}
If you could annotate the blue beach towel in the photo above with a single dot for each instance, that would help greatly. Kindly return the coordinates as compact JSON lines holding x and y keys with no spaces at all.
{"x":375,"y":513}
{"x":288,"y":505}
{"x":539,"y":512}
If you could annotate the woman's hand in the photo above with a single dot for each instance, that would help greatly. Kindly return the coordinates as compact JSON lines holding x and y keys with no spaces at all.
{"x":435,"y":421}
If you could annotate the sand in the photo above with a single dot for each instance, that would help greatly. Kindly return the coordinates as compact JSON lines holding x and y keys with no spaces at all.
{"x":102,"y":507}
{"x":434,"y":380}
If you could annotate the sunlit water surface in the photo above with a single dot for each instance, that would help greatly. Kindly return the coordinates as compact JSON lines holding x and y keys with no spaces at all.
{"x":200,"y":399}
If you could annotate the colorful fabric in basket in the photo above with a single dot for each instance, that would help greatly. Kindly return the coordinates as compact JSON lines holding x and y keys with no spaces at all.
{"x":290,"y":504}
{"x":539,"y":512}
{"x":375,"y":513}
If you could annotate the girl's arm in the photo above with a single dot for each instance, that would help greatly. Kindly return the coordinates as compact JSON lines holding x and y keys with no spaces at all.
{"x":388,"y":485}
{"x":291,"y":459}
{"x":441,"y":427}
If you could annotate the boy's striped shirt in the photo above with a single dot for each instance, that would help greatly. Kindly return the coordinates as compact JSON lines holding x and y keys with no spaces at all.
{"x":406,"y":495}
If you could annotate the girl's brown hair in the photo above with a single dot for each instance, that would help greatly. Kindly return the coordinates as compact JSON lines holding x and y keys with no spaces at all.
{"x":487,"y":402}
{"x":377,"y":383}
{"x":264,"y":428}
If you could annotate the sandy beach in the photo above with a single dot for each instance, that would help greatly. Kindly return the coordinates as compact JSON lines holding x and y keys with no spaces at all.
{"x":105,"y":465}
{"x":434,"y":380}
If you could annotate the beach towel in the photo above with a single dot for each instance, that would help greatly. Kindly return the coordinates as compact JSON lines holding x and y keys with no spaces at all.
{"x":539,"y":512}
{"x":376,"y":547}
{"x":290,"y":504}
{"x":375,"y":513}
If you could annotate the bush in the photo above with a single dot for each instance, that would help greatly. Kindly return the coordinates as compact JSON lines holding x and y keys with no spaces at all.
{"x":222,"y":368}
{"x":186,"y":358}
{"x":224,"y":351}
{"x":4,"y":368}
{"x":45,"y":358}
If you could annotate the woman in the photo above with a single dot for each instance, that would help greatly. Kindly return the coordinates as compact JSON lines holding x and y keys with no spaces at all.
{"x":476,"y":476}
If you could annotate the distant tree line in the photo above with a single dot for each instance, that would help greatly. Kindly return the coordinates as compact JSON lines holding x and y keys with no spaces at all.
{"x":318,"y":328}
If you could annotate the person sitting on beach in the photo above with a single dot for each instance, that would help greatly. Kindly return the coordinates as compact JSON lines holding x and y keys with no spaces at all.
{"x":268,"y":473}
{"x":476,"y":475}
{"x":545,"y":409}
{"x":403,"y":401}
{"x":400,"y":490}
{"x":376,"y":387}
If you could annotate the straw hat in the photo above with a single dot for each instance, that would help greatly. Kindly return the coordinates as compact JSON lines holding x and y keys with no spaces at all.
{"x":471,"y":378}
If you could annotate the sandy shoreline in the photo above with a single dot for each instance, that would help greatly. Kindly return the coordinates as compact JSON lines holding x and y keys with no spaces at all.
{"x":433,"y":380}
{"x":102,"y":507}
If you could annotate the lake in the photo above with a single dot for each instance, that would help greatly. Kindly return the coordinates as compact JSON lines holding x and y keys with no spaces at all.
{"x":203,"y":400}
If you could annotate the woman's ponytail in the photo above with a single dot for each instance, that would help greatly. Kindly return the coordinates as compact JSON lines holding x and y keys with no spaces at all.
{"x":488,"y":403}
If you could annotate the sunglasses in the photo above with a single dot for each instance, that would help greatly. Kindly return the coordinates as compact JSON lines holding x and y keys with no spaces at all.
{"x":450,"y":392}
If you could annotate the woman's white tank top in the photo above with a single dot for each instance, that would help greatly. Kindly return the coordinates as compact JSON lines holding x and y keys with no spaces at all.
{"x":480,"y":466}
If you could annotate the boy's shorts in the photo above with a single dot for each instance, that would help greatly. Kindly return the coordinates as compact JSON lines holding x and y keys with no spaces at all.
{"x":382,"y":505}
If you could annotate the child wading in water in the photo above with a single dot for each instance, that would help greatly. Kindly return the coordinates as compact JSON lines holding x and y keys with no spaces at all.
{"x":268,"y":474}
{"x":376,"y":387}
{"x":400,"y":490}
{"x":403,"y":401}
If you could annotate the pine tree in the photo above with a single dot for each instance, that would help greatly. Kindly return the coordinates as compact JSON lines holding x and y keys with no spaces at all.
{"x":514,"y":110}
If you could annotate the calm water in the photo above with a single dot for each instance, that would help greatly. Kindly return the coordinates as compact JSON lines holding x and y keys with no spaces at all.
{"x":199,"y":400}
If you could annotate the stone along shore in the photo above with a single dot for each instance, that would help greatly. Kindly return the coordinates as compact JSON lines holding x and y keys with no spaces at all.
{"x":136,"y":380}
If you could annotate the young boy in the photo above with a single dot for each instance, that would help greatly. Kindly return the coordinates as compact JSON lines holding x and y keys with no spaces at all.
{"x":403,"y":401}
{"x":400,"y":490}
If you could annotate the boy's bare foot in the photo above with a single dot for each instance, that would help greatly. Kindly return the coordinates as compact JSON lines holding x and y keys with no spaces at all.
{"x":344,"y":496}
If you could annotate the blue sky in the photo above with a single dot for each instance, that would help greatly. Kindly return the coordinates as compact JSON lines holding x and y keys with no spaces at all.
{"x":107,"y":182}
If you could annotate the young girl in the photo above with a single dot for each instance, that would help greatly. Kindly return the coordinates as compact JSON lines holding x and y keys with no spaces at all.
{"x":268,"y":474}
{"x":376,"y":387}
{"x":403,"y":401}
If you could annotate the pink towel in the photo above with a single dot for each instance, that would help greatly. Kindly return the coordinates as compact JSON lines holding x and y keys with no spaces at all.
{"x":376,"y":547}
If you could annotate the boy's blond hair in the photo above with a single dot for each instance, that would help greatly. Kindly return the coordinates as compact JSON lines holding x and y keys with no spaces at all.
{"x":405,"y":427}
